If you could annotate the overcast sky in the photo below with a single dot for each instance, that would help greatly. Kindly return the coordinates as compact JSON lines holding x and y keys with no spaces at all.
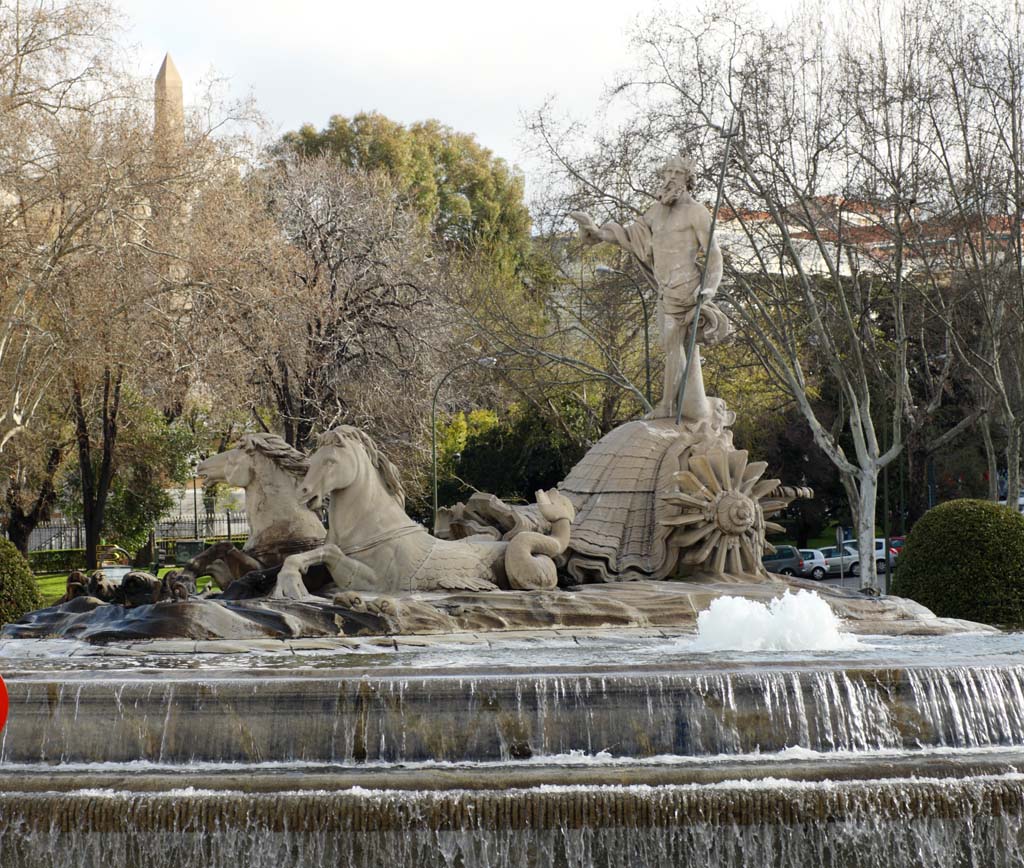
{"x":463,"y":62}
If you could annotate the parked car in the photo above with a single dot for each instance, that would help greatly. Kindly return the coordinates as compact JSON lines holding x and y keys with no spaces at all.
{"x":843,"y":563}
{"x":814,"y":564}
{"x":1020,"y":502}
{"x":115,"y":575}
{"x":879,"y":553}
{"x":785,"y":560}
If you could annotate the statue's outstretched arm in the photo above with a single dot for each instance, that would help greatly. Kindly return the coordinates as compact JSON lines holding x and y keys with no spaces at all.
{"x":590,"y":232}
{"x":634,"y":238}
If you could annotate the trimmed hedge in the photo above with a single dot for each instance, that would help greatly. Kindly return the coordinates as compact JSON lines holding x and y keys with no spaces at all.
{"x":965,"y":559}
{"x":18,"y":591}
{"x":56,"y":560}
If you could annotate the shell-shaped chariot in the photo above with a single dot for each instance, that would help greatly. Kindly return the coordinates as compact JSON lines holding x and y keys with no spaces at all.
{"x":653,"y":500}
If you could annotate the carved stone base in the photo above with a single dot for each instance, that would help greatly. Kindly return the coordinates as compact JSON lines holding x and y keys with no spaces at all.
{"x":673,"y":604}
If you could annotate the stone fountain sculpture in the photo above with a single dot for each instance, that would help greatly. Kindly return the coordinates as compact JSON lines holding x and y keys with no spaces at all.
{"x":373,"y":545}
{"x":666,"y":242}
{"x":270,"y":471}
{"x":658,"y":519}
{"x":656,"y":498}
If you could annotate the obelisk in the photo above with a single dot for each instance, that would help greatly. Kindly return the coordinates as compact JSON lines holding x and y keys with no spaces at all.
{"x":169,"y":109}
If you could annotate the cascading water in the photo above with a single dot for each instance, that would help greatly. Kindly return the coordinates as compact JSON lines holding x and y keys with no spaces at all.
{"x":339,"y":719}
{"x":837,"y":826}
{"x":612,"y":753}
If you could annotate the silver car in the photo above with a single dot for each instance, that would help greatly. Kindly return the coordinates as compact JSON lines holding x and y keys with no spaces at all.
{"x":846,"y":563}
{"x":879,"y":553}
{"x":814,"y":564}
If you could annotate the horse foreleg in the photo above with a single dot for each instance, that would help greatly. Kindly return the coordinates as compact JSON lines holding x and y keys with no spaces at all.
{"x":223,"y":562}
{"x":232,"y":566}
{"x":348,"y":573}
{"x":289,"y":585}
{"x":345,"y":571}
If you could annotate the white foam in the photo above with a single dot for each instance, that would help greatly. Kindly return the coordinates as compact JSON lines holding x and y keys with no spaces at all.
{"x":793,"y":622}
{"x":786,"y":756}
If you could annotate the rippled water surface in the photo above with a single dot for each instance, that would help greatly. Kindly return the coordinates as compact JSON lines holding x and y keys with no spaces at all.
{"x":486,"y":652}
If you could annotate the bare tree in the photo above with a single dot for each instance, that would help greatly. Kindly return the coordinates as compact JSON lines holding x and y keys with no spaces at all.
{"x":976,"y":138}
{"x":337,"y":309}
{"x":52,"y":56}
{"x":830,"y":262}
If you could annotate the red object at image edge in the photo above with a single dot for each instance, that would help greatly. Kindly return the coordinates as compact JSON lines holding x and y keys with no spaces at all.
{"x":3,"y":703}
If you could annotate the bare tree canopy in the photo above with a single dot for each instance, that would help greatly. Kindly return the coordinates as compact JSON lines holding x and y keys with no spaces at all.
{"x":866,"y":193}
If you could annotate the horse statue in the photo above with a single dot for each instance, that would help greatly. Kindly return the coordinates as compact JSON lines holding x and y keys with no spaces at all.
{"x":372,"y":545}
{"x":279,"y":523}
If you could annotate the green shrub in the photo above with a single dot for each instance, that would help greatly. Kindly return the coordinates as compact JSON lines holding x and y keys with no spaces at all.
{"x":965,"y":559}
{"x":56,"y":560}
{"x":18,"y":591}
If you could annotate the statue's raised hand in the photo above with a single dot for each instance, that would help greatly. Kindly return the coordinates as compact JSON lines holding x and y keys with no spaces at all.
{"x":590,"y":232}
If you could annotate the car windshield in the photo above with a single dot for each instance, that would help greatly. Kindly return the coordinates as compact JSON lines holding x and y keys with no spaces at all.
{"x":115,"y":575}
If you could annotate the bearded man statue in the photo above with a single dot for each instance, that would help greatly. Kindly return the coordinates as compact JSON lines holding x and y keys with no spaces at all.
{"x":666,"y":242}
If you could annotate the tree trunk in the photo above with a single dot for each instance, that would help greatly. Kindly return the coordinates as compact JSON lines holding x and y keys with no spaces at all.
{"x":19,"y":530}
{"x":991,"y":459}
{"x":93,"y":530}
{"x":917,"y":478}
{"x":802,"y":534}
{"x":96,"y":483}
{"x":20,"y":522}
{"x":867,"y":485}
{"x":1012,"y":463}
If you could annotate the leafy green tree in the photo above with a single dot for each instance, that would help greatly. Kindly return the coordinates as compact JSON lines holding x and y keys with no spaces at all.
{"x":457,"y":432}
{"x":152,"y":456}
{"x":470,"y":197}
{"x":514,"y":457}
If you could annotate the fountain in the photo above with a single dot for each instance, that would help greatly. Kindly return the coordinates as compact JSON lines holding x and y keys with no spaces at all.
{"x":591,"y":750}
{"x":606,"y":677}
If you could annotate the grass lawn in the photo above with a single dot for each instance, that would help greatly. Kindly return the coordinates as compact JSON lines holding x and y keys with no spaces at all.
{"x":52,"y":585}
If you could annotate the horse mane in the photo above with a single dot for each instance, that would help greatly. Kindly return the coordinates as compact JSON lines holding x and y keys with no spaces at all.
{"x":388,"y":472}
{"x":277,"y":450}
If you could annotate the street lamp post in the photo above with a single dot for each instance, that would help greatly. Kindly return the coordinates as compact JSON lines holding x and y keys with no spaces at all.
{"x":195,"y":503}
{"x":485,"y":362}
{"x":606,"y":269}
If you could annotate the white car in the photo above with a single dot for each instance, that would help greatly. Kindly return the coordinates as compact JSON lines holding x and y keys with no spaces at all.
{"x":815,"y":566}
{"x":879,"y":554}
{"x":1020,"y":503}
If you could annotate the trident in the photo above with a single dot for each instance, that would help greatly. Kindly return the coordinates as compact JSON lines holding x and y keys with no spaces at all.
{"x":728,"y":134}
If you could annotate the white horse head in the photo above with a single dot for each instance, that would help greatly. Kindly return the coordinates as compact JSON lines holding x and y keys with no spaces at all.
{"x":344,"y":456}
{"x":255,"y":455}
